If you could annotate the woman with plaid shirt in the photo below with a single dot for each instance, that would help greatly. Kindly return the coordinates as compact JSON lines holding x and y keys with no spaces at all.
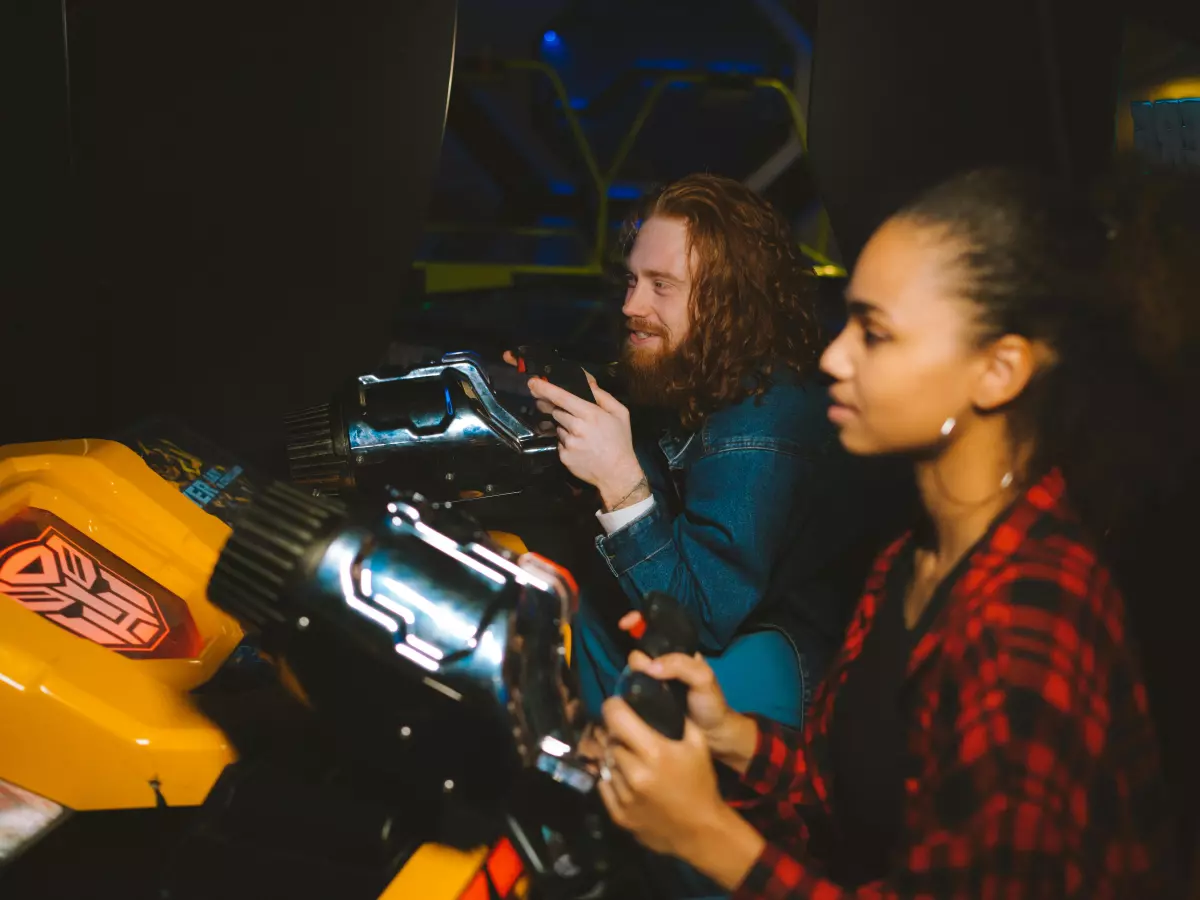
{"x":984,"y":731}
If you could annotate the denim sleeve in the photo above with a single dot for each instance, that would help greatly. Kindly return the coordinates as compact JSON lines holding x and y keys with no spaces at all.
{"x":716,"y":557}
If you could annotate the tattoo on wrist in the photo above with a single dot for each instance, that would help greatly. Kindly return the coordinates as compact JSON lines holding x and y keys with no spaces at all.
{"x":620,"y":504}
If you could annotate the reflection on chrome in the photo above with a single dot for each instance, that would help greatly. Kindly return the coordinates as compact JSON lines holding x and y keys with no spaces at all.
{"x":425,"y":647}
{"x":445,"y":619}
{"x":522,"y":576}
{"x":450,"y":547}
{"x":406,"y":509}
{"x":419,"y":658}
{"x":490,"y":648}
{"x":345,"y":562}
{"x":493,"y":642}
{"x":392,"y":606}
{"x":484,"y":417}
{"x":554,"y":746}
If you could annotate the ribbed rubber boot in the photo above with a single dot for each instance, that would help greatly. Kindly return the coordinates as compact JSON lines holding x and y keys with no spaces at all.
{"x":317,"y":449}
{"x":271,"y":546}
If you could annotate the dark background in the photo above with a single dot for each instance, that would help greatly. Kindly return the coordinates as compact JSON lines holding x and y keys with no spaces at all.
{"x":212,"y":209}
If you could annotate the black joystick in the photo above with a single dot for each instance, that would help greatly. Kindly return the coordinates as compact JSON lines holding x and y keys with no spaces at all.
{"x":544,"y":361}
{"x":662,"y":704}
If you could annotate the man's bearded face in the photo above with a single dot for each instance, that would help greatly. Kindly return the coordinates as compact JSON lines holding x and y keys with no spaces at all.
{"x":657,"y":313}
{"x":648,"y":370}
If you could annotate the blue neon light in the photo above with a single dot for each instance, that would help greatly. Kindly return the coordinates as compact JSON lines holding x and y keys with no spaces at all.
{"x":624,"y":192}
{"x":673,"y":65}
{"x":735,"y":68}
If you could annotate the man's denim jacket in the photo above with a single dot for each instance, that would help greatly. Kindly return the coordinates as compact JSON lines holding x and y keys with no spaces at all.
{"x":730,"y":498}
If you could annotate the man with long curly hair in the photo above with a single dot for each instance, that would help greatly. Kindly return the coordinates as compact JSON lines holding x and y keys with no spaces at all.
{"x":748,"y":480}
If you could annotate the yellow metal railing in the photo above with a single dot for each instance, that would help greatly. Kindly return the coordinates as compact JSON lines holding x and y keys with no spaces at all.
{"x":818,"y":254}
{"x":446,"y":276}
{"x":655,"y":94}
{"x":456,"y":276}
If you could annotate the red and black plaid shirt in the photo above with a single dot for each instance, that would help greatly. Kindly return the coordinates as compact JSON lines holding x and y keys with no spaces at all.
{"x":1037,"y":769}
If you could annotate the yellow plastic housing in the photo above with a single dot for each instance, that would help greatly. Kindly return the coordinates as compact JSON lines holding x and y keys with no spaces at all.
{"x":91,"y":729}
{"x":85,"y":726}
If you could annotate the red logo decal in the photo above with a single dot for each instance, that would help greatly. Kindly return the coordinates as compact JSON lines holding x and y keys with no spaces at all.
{"x":82,"y":591}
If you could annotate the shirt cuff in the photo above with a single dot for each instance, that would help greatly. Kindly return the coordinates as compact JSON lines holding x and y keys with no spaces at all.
{"x":775,"y":874}
{"x":619,"y":518}
{"x":770,"y":759}
{"x":641,"y":539}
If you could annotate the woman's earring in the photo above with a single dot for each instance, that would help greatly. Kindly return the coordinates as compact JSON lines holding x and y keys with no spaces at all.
{"x":1006,"y":480}
{"x":948,"y":426}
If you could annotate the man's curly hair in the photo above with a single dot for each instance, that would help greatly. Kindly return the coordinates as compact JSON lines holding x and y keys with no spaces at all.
{"x":753,"y":307}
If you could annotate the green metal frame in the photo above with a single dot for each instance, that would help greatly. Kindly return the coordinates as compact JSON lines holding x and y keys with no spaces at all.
{"x":452,"y":276}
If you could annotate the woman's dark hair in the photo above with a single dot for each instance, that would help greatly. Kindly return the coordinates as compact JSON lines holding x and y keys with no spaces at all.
{"x":753,"y":297}
{"x":1044,"y":263}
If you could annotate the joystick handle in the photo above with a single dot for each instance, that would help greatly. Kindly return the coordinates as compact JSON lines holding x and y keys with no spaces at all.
{"x":545,"y":362}
{"x":659,"y":705}
{"x":669,"y":629}
{"x":662,"y":704}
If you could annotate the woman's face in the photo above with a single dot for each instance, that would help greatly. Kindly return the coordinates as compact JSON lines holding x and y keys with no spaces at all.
{"x":905,"y":361}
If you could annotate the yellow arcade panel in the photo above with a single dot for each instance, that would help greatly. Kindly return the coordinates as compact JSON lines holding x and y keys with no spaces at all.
{"x":435,"y":871}
{"x":104,"y":628}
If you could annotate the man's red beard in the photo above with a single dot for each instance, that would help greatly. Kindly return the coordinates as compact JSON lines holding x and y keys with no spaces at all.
{"x":648,"y":371}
